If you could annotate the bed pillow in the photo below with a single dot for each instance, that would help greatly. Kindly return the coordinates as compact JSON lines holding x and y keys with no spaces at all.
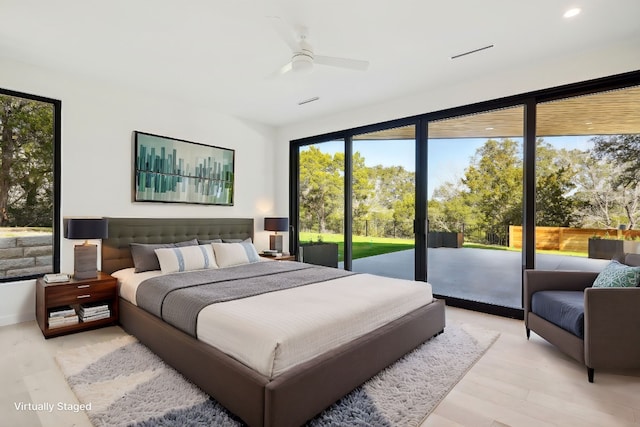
{"x":230,"y":254}
{"x":186,"y":258}
{"x":144,"y":256}
{"x":616,"y":275}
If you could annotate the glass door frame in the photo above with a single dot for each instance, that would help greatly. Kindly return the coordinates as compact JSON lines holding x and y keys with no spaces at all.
{"x":528,"y":190}
{"x":347,"y":137}
{"x":529,"y":100}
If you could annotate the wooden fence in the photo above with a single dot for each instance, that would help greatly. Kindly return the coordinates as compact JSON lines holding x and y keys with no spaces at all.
{"x":565,"y":238}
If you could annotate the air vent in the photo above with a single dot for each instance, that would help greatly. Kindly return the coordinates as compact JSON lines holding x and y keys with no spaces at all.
{"x":306,"y":101}
{"x":471,"y":51}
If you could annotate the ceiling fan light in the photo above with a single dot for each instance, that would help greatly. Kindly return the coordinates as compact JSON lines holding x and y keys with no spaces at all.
{"x":302,"y":63}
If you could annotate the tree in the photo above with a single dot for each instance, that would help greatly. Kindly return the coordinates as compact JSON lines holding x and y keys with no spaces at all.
{"x":26,"y":162}
{"x":623,"y":150}
{"x":362,"y":188}
{"x":390,"y":186}
{"x":391,"y":183}
{"x":494,"y":186}
{"x":321,"y":188}
{"x":448,"y":208}
{"x":603,"y":202}
{"x":555,"y":172}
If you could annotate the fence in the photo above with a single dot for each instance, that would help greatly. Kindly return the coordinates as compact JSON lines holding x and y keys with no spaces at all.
{"x":566,"y":238}
{"x":404,"y":230}
{"x":369,"y":228}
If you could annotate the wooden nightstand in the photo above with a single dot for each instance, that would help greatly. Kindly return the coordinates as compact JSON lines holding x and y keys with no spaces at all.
{"x":52,"y":297}
{"x":280,"y":258}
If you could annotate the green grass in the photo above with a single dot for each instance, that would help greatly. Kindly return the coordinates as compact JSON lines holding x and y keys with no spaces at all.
{"x":24,"y":231}
{"x":363,"y":246}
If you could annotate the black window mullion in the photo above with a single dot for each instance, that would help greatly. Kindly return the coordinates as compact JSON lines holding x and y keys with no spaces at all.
{"x":348,"y":203}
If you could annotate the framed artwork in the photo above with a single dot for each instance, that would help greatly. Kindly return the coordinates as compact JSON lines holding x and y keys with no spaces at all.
{"x":172,"y":170}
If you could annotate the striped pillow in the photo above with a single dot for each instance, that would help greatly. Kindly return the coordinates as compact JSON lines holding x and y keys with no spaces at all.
{"x":230,"y":254}
{"x":186,"y":258}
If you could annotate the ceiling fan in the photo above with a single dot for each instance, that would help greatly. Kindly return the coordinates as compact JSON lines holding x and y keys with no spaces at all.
{"x":303,"y":57}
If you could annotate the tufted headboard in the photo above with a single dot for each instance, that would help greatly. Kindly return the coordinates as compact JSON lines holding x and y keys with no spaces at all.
{"x":116,"y":254}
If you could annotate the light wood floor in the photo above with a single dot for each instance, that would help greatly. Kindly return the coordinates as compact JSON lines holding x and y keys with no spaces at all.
{"x":516,"y":383}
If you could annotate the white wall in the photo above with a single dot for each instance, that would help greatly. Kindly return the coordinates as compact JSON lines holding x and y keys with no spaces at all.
{"x":97,"y":124}
{"x":554,"y":72}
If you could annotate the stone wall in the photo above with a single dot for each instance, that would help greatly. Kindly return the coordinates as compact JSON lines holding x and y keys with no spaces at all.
{"x":27,"y":255}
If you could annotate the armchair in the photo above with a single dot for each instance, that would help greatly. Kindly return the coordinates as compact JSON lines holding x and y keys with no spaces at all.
{"x":611,"y":330}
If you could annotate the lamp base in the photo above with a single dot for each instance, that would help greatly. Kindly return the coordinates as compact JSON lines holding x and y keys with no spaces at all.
{"x":275,"y":242}
{"x":85,"y":259}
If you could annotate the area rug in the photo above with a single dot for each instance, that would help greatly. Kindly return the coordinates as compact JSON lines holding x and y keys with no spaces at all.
{"x":127,"y":385}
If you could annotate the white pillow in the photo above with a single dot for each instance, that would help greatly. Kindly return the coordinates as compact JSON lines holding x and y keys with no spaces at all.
{"x":186,"y":258}
{"x":230,"y":254}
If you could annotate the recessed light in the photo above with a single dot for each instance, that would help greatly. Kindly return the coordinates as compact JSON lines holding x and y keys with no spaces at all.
{"x":488,"y":128}
{"x":588,"y":123}
{"x":572,"y":12}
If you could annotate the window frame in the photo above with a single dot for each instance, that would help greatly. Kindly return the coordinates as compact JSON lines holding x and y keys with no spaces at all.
{"x":57,"y":150}
{"x":529,"y":100}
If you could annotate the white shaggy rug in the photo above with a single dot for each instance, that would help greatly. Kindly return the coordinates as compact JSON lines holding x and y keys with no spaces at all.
{"x":128,"y":385}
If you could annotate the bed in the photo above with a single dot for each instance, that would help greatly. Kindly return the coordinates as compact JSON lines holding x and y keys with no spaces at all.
{"x":295,"y":394}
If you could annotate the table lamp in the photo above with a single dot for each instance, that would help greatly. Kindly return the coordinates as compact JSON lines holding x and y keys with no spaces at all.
{"x":276,"y":224}
{"x":85,"y":256}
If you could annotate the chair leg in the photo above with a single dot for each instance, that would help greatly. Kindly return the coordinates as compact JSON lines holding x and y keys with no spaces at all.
{"x":528,"y":333}
{"x":590,"y":372}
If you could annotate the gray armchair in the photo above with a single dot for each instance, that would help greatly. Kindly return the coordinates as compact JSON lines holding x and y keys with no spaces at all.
{"x":611,"y":329}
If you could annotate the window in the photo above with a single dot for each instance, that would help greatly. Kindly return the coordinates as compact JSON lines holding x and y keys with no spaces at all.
{"x":29,"y":185}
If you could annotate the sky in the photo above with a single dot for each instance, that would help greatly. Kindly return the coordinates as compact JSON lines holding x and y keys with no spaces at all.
{"x":448,"y":158}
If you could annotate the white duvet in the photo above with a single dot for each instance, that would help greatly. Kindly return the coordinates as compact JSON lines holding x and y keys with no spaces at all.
{"x":276,"y":331}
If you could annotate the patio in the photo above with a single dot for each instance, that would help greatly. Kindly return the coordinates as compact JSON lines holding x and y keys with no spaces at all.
{"x":482,"y":275}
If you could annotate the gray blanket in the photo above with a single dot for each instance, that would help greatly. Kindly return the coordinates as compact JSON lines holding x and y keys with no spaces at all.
{"x":178,"y":298}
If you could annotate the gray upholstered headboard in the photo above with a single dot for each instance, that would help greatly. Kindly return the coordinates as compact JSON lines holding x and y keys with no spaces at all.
{"x":116,"y":254}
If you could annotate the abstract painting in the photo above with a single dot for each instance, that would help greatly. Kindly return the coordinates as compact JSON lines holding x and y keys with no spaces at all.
{"x":176,"y":171}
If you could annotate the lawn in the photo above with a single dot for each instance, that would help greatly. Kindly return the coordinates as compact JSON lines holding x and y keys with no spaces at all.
{"x":364,"y":246}
{"x":24,"y":231}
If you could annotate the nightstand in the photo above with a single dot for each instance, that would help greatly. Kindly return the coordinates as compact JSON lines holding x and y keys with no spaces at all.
{"x":280,"y":258}
{"x":95,"y":300}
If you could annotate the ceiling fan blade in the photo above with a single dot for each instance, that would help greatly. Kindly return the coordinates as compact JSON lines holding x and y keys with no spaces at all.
{"x":286,"y":68}
{"x":282,"y":70}
{"x":286,"y":33}
{"x":353,"y":64}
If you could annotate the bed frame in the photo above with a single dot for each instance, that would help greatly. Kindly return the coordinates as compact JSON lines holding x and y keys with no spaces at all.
{"x":289,"y":399}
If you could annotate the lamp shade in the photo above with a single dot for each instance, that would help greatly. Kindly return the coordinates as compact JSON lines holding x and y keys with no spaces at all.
{"x":276,"y":224}
{"x":86,"y":228}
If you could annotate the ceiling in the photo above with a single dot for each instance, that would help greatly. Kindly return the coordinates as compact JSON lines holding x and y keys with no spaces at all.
{"x":222,"y":54}
{"x":605,"y":113}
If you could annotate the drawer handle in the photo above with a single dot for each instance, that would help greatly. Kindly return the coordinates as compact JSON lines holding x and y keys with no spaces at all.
{"x":83,"y":296}
{"x":83,"y":286}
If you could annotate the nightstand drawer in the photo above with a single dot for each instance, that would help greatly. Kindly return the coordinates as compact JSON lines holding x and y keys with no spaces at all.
{"x":79,"y":292}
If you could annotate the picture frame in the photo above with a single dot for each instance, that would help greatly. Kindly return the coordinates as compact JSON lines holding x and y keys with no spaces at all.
{"x":171,"y":170}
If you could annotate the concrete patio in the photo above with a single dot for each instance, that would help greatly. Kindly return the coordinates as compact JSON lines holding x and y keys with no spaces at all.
{"x":483,"y":275}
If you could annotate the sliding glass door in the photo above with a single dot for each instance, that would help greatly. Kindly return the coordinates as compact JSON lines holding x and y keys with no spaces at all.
{"x":588,"y":197}
{"x":321,"y":203}
{"x":478,"y":193}
{"x":383,"y":194}
{"x":475,"y":188}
